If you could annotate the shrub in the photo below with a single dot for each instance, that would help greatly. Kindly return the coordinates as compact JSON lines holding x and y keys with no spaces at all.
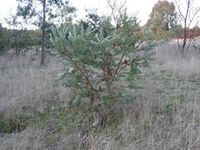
{"x":13,"y":124}
{"x":4,"y":39}
{"x":101,"y":62}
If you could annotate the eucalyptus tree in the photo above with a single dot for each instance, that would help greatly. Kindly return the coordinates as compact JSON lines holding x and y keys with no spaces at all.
{"x":92,"y":20}
{"x":44,"y":13}
{"x":163,"y":18}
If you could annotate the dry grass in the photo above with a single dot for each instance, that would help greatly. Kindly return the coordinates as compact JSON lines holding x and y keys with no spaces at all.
{"x":169,"y":57}
{"x":26,"y":86}
{"x":164,"y":112}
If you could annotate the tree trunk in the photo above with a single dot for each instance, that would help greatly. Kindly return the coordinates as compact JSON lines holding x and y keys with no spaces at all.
{"x":43,"y":34}
{"x":184,"y":38}
{"x":17,"y":51}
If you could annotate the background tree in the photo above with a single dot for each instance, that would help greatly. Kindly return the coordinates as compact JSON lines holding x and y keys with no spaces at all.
{"x":42,"y":13}
{"x":4,"y":39}
{"x":23,"y":39}
{"x":188,"y":15}
{"x":92,"y":20}
{"x":162,"y":18}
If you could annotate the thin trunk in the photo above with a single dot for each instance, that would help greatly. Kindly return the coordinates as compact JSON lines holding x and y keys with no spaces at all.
{"x":43,"y":34}
{"x":184,"y":44}
{"x":184,"y":38}
{"x":17,"y":51}
{"x":185,"y":28}
{"x":109,"y":87}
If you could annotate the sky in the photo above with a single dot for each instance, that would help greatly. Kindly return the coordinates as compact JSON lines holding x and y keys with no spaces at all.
{"x":140,"y":8}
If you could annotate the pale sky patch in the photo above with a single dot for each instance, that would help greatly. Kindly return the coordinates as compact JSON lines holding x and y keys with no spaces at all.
{"x":140,"y":8}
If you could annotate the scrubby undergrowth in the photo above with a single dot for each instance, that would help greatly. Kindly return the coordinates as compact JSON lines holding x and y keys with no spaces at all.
{"x":163,"y":113}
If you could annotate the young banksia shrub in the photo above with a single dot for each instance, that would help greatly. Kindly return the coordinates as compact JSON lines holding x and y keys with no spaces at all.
{"x":99,"y":62}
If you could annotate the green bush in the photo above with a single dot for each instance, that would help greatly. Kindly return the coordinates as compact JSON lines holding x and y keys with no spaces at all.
{"x":101,"y":62}
{"x":13,"y":124}
{"x":18,"y":39}
{"x":4,"y":39}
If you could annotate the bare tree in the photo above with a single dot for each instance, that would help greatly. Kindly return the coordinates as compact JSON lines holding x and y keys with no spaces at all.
{"x":117,"y":9}
{"x":188,"y":15}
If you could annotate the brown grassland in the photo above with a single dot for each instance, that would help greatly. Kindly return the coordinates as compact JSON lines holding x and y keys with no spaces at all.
{"x":163,"y":113}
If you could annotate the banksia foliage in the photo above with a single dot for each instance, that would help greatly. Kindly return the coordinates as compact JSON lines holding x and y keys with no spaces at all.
{"x":98,"y":61}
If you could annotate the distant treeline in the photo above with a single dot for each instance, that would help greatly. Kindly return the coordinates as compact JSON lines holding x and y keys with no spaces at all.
{"x":192,"y":33}
{"x":17,"y":39}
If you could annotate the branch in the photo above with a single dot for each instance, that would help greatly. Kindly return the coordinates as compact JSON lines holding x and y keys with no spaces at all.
{"x":193,"y":17}
{"x":137,"y":58}
{"x":119,"y":64}
{"x":84,"y":75}
{"x":112,"y":7}
{"x":187,"y":11}
{"x":179,"y":10}
{"x":116,"y":11}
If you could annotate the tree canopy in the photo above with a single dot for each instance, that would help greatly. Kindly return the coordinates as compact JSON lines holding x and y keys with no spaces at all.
{"x":59,"y":10}
{"x":163,"y":17}
{"x":44,"y":13}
